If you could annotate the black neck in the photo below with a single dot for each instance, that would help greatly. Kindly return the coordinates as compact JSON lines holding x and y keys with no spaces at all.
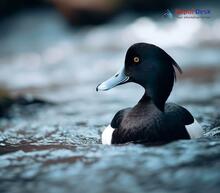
{"x":146,"y":99}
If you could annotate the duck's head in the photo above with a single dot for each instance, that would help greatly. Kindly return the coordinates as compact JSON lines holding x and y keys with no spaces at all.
{"x":150,"y":67}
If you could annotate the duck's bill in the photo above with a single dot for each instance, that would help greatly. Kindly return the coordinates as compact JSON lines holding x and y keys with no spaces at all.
{"x":118,"y":79}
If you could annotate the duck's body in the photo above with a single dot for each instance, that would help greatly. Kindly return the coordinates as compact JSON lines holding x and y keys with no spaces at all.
{"x":152,"y":120}
{"x":145,"y":123}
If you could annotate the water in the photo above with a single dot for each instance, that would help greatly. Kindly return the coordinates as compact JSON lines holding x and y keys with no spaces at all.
{"x":54,"y":145}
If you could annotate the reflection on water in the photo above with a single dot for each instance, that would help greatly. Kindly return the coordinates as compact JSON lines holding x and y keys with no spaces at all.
{"x":56,"y":146}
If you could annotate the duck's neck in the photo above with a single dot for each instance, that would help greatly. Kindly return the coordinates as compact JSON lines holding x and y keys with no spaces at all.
{"x":146,"y":100}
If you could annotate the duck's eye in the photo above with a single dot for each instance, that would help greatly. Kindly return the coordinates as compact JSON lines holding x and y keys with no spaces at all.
{"x":136,"y":59}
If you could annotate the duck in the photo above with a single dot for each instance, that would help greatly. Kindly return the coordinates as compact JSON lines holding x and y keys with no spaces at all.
{"x":152,"y":120}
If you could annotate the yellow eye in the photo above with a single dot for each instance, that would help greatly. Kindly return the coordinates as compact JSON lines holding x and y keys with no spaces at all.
{"x":136,"y":59}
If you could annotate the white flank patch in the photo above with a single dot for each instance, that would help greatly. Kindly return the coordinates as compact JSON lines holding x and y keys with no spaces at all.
{"x":107,"y":135}
{"x":194,"y":130}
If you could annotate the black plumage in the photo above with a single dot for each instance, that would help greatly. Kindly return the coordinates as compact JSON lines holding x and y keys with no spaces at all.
{"x":145,"y":123}
{"x":152,"y":120}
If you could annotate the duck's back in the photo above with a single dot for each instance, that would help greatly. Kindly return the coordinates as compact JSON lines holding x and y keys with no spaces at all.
{"x":144,"y":123}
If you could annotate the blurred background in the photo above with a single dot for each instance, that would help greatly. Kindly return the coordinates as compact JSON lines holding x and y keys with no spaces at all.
{"x":54,"y":53}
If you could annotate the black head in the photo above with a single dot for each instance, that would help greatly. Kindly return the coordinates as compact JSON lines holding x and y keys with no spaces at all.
{"x":150,"y":67}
